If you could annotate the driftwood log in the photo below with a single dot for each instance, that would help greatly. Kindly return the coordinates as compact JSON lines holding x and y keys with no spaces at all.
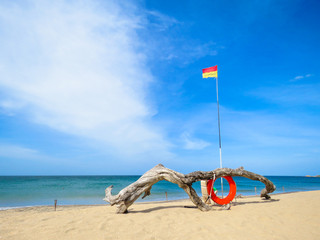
{"x":131,"y":193}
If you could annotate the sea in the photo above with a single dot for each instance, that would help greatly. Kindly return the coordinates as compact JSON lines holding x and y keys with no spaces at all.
{"x":24,"y":191}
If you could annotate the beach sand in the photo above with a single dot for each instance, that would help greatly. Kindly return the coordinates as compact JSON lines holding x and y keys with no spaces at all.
{"x":286,"y":216}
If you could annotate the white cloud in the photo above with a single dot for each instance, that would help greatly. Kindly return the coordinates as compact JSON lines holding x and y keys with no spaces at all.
{"x":76,"y":67}
{"x":9,"y":152}
{"x":248,"y":129}
{"x":187,"y":52}
{"x":193,"y":143}
{"x":297,"y":78}
{"x":165,"y":43}
{"x":13,"y":151}
{"x":159,"y":21}
{"x":258,"y":140}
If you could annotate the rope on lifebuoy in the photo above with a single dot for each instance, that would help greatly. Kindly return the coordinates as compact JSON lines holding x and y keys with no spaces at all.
{"x":227,"y":199}
{"x":209,"y":196}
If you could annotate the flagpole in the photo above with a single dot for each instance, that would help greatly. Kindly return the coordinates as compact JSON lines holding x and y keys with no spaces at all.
{"x":219,"y":132}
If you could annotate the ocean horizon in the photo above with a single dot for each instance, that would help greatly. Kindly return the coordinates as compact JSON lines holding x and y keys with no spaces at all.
{"x":24,"y":191}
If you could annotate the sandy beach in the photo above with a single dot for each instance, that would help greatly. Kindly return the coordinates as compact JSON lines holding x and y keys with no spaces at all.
{"x":286,"y":216}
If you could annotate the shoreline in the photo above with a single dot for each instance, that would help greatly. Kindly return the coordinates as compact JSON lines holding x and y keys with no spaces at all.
{"x":286,"y":216}
{"x":142,"y":202}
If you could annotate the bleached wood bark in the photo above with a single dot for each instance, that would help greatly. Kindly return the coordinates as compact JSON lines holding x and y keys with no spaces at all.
{"x":131,"y":193}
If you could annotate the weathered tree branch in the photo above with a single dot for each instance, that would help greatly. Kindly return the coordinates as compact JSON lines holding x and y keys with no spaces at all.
{"x":131,"y":193}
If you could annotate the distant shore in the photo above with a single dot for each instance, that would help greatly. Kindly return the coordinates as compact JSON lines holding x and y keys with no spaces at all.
{"x":285,"y":216}
{"x":89,"y":190}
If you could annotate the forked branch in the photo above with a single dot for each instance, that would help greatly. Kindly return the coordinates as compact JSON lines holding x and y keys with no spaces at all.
{"x":131,"y":193}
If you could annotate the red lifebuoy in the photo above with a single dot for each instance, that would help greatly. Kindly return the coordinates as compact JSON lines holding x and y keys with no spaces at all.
{"x":227,"y":199}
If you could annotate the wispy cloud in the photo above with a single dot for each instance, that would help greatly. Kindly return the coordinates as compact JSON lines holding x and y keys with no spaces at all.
{"x":193,"y":143}
{"x":76,"y":67}
{"x":173,"y":46}
{"x":187,"y":53}
{"x":159,"y":21}
{"x":199,"y":51}
{"x":297,"y":78}
{"x":14,"y":151}
{"x":252,"y":138}
{"x":20,"y":160}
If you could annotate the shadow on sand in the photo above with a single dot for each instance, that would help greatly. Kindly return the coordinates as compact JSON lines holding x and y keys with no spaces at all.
{"x":216,"y":207}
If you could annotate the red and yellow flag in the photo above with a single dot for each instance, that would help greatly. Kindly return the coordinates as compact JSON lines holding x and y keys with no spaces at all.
{"x":210,"y":72}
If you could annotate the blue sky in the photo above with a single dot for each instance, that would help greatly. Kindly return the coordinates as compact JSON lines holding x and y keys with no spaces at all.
{"x":104,"y":87}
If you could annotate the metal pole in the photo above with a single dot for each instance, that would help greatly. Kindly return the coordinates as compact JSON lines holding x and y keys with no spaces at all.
{"x":219,"y":133}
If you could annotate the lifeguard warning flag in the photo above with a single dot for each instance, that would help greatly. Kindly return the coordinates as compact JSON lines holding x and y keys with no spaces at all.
{"x":210,"y":72}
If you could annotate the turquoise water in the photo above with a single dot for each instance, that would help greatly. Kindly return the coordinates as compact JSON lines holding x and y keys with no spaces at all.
{"x":16,"y":191}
